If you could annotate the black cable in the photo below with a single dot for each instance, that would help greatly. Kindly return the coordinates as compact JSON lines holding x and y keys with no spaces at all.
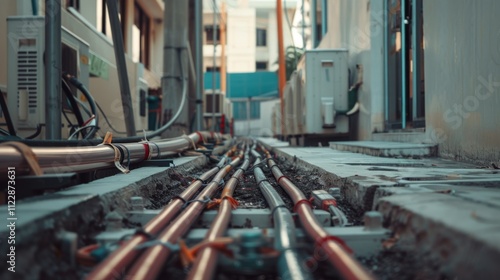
{"x":8,"y":120}
{"x":82,"y":106}
{"x":93,"y":142}
{"x":75,"y":133}
{"x":159,"y":131}
{"x":37,"y":132}
{"x":92,"y":104}
{"x":108,"y":122}
{"x":71,"y":125}
{"x":74,"y":106}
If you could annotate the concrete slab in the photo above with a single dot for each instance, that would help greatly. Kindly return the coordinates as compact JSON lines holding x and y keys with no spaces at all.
{"x":364,"y":242}
{"x":360,"y":175}
{"x":386,"y":149}
{"x":440,"y":209}
{"x":406,"y":137}
{"x":458,"y":233}
{"x":273,"y":142}
{"x":109,"y":184}
{"x":240,"y":218}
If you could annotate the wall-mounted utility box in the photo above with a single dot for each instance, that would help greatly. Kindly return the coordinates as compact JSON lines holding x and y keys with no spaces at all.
{"x":325,"y":76}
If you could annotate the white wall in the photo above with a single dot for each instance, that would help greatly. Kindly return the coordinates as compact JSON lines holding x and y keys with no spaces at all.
{"x":260,"y":127}
{"x":242,"y":21}
{"x":241,"y":40}
{"x":462,"y":78}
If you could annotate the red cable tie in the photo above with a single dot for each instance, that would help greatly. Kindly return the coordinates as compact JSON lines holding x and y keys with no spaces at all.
{"x":234,"y":203}
{"x":336,"y":240}
{"x":300,"y":202}
{"x":146,"y":151}
{"x":202,"y":140}
{"x":216,"y":202}
{"x":281,"y":177}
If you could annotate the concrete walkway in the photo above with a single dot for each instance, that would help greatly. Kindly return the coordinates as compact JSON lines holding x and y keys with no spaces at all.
{"x":439,"y":209}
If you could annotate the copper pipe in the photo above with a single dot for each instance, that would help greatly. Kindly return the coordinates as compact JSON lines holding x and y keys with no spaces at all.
{"x":205,"y":263}
{"x":289,"y":265}
{"x":151,"y":262}
{"x":79,"y":159}
{"x":121,"y":258}
{"x":348,"y":267}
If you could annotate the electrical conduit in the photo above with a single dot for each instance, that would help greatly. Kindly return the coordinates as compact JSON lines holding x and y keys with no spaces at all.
{"x":151,"y":262}
{"x":80,"y":159}
{"x":205,"y":263}
{"x":289,"y":265}
{"x":337,"y":253}
{"x":121,"y":258}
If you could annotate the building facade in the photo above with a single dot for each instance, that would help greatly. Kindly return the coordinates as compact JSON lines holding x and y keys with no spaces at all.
{"x":431,"y":71}
{"x":142,"y":25}
{"x":251,"y":46}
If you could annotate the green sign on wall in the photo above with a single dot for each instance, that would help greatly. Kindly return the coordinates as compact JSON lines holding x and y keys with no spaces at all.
{"x":98,"y":67}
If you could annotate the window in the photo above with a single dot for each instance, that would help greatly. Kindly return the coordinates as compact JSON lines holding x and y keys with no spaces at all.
{"x":240,"y":110}
{"x":209,"y":32}
{"x":73,"y":3}
{"x":211,"y":69}
{"x":319,"y":32}
{"x":261,"y":66}
{"x":103,"y":23}
{"x":140,"y":36}
{"x":261,"y":37}
{"x":209,"y":98}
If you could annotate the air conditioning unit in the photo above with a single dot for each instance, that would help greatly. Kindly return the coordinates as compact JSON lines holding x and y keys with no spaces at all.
{"x":297,"y":85}
{"x":324,"y":72}
{"x":276,"y":119}
{"x":289,"y":110}
{"x":208,"y":98}
{"x":26,"y":77}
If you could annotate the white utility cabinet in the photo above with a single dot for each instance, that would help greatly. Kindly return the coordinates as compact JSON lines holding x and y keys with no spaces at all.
{"x":326,"y":87}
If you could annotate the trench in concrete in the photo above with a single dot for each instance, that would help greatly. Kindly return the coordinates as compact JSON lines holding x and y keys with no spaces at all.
{"x":81,"y":209}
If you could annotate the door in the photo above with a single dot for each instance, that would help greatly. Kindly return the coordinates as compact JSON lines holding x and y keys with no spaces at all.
{"x":404,"y":65}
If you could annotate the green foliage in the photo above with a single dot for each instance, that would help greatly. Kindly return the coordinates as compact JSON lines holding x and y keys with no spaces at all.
{"x":292,"y":58}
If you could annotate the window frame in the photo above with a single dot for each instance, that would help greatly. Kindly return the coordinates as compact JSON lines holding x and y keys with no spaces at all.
{"x":75,"y":4}
{"x":144,"y":25}
{"x":105,"y":17}
{"x":209,"y":35}
{"x":259,"y":31}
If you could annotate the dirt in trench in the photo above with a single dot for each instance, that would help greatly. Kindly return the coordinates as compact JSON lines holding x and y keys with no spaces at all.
{"x":310,"y":180}
{"x":179,"y":181}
